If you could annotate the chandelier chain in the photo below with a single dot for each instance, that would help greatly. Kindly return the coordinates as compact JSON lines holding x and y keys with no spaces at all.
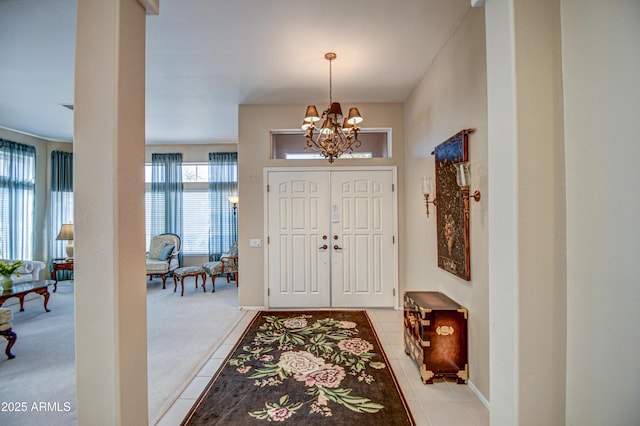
{"x":330,"y":83}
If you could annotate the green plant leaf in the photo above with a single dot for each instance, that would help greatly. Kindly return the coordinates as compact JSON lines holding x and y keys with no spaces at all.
{"x":265,"y":372}
{"x":354,"y":403}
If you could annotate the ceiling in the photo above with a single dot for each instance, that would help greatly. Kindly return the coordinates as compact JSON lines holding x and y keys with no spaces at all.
{"x":205,"y":57}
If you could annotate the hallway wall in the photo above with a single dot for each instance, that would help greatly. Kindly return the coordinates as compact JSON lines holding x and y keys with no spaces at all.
{"x":450,"y":97}
{"x":601,"y":64}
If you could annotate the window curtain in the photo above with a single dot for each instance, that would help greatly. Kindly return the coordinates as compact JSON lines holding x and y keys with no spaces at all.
{"x":17,"y":200}
{"x":166,"y":194}
{"x":223,"y":181}
{"x":61,"y":204}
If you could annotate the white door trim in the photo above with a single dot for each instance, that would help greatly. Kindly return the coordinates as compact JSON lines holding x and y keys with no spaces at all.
{"x":265,"y":205}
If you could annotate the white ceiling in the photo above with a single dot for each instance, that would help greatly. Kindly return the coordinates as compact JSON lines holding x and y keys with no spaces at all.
{"x":205,"y":57}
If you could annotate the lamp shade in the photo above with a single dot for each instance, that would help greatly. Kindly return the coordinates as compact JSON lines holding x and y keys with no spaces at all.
{"x":233,"y":199}
{"x":66,"y":232}
{"x":354,"y":116}
{"x":463,"y":177}
{"x":426,"y":185}
{"x":335,"y":111}
{"x":326,"y":127}
{"x":311,"y":116}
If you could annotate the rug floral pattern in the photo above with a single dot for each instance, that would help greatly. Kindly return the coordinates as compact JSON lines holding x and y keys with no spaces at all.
{"x":309,"y":368}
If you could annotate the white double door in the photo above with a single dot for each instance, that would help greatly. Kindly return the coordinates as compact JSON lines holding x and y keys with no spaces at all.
{"x":331,"y":238}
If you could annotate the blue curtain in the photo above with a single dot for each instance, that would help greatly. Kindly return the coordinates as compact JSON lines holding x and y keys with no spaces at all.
{"x":61,"y":204}
{"x":17,"y":200}
{"x":223,"y":181}
{"x":166,"y":194}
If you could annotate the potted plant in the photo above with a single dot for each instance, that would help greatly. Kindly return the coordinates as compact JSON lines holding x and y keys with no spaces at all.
{"x":6,"y":270}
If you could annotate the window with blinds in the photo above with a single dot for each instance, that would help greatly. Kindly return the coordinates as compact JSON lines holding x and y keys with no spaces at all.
{"x":196,"y":208}
{"x":17,"y":200}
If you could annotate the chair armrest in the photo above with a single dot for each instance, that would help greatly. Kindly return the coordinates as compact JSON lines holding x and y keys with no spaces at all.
{"x":31,"y":267}
{"x":232,"y":261}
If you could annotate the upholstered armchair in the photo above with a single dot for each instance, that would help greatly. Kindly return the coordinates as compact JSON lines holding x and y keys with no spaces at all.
{"x":163,"y":256}
{"x":227,"y":265}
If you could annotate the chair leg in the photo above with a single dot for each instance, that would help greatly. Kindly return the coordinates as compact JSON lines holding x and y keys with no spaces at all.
{"x":213,"y":283}
{"x":11,"y":337}
{"x":164,"y":280}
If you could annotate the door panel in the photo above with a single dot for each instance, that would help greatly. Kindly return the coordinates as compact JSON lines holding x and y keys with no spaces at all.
{"x":298,"y":219}
{"x":363,"y":265}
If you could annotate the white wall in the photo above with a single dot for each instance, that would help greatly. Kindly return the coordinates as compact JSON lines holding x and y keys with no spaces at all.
{"x":254,"y":146}
{"x":601,"y":65}
{"x":450,"y":97}
{"x":192,"y":153}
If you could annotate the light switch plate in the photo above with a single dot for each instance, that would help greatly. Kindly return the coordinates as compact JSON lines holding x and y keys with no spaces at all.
{"x":255,"y":243}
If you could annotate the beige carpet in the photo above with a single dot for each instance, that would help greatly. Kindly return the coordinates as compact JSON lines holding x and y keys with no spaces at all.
{"x":182,"y":334}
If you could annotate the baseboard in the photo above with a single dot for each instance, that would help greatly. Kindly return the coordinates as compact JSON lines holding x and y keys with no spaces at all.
{"x":480,"y":396}
{"x":253,"y":308}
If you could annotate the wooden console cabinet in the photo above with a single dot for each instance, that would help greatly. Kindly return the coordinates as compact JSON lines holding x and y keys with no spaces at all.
{"x":435,"y":335}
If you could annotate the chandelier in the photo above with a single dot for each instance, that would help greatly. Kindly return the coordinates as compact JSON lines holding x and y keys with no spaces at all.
{"x":333,"y":138}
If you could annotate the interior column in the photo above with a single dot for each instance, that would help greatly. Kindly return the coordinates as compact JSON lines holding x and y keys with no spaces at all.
{"x":110,"y":284}
{"x":527,"y":224}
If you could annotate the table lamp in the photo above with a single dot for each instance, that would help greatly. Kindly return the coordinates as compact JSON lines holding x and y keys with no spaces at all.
{"x":66,"y":234}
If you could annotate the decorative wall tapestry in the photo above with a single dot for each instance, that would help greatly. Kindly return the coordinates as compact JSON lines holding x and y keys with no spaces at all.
{"x":452,"y":223}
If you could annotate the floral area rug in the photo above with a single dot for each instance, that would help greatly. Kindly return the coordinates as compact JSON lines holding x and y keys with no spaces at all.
{"x":304,"y":368}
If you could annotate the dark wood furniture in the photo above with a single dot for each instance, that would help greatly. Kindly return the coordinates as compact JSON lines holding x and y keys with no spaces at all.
{"x":189,"y":271}
{"x":11,"y":339}
{"x":435,"y":335}
{"x":60,"y":265}
{"x":20,"y":290}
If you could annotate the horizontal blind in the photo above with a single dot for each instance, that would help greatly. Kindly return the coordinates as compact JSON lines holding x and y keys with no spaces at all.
{"x":196,"y":221}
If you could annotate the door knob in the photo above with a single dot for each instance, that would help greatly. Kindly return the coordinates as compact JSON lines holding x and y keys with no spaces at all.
{"x":337,"y":247}
{"x":324,"y":247}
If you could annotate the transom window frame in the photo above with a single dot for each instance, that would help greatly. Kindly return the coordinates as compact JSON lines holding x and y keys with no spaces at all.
{"x":299,"y":154}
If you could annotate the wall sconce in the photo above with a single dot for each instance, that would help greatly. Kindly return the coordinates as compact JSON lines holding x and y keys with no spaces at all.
{"x":426,"y":191}
{"x":463,"y":179}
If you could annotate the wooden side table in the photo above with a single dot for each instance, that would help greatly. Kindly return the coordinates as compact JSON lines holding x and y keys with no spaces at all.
{"x":60,"y":265}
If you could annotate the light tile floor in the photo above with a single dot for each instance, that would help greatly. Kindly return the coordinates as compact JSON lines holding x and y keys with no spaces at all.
{"x":445,"y":403}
